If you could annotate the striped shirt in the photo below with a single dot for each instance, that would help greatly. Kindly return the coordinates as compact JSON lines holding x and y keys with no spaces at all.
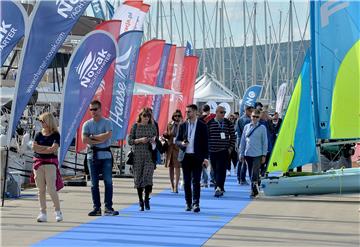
{"x":215,"y":128}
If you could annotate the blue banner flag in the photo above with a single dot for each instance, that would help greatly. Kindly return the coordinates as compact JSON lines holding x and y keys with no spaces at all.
{"x":97,"y":9}
{"x":160,"y":80}
{"x":50,"y":23}
{"x":86,"y":68}
{"x":124,"y":81}
{"x":250,"y":97}
{"x":110,"y":9}
{"x":12,"y":26}
{"x":188,"y":49}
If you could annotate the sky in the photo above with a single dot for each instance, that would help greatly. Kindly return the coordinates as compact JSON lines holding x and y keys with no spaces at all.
{"x":234,"y":25}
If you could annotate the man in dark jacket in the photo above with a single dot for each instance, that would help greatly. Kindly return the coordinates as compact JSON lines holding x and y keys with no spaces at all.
{"x":193,"y":142}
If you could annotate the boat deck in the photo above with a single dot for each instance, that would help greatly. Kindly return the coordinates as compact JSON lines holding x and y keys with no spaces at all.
{"x":234,"y":220}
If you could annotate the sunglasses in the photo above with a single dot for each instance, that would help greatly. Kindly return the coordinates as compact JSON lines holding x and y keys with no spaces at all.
{"x":177,"y":116}
{"x":255,"y":116}
{"x":146,"y":115}
{"x":222,"y":112}
{"x":41,"y":121}
{"x":93,"y":109}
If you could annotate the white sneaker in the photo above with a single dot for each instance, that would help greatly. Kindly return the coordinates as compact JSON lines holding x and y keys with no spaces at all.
{"x":228,"y":173}
{"x":42,"y":217}
{"x":58,"y":216}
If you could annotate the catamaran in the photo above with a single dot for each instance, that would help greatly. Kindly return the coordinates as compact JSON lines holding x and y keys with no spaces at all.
{"x":324,"y":108}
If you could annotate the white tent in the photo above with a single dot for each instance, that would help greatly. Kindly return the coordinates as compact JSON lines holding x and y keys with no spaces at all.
{"x":207,"y":88}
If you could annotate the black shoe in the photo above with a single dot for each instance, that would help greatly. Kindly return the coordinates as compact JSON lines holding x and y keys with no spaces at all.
{"x":188,"y":207}
{"x":196,"y":209}
{"x":110,"y":212}
{"x":147,"y":204}
{"x":95,"y":212}
{"x":141,"y":206}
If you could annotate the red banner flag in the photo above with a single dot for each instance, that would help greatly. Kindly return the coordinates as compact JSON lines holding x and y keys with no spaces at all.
{"x":147,"y":71}
{"x":190,"y":67}
{"x":163,"y":117}
{"x":175,"y":100}
{"x":104,"y":92}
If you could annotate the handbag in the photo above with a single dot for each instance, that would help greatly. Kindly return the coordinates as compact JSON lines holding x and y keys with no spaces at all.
{"x":130,"y":158}
{"x":130,"y":155}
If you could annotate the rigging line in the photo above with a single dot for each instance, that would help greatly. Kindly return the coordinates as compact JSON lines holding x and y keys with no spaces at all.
{"x":176,"y":24}
{"x":231,"y":38}
{"x":211,"y":67}
{"x":166,"y":23}
{"x":301,"y":44}
{"x":187,"y":24}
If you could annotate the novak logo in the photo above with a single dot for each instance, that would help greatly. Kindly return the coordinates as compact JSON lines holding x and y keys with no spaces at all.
{"x":70,"y":8}
{"x":87,"y":69}
{"x":4,"y":29}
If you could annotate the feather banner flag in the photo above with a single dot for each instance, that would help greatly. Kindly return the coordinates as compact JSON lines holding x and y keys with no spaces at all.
{"x":42,"y":41}
{"x":147,"y":71}
{"x":12,"y":20}
{"x":104,"y":92}
{"x":163,"y":117}
{"x":87,"y":66}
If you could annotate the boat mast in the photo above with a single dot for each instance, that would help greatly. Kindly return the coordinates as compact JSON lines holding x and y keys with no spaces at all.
{"x":254,"y":49}
{"x":157,"y":18}
{"x":203,"y":31}
{"x":194,"y":18}
{"x":216,"y":21}
{"x":278,"y":55}
{"x":182,"y":22}
{"x":245,"y":62}
{"x":266,"y":54}
{"x":171,"y":27}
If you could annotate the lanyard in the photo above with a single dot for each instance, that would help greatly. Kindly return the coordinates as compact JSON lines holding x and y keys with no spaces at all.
{"x":220,"y":124}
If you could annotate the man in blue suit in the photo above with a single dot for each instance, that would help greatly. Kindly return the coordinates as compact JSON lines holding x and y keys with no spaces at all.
{"x":193,"y":142}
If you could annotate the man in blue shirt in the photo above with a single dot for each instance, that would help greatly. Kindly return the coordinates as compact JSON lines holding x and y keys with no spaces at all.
{"x":96,"y":133}
{"x":253,"y":149}
{"x":239,"y":128}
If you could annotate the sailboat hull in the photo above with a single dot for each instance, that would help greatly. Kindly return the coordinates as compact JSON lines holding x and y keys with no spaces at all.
{"x":333,"y":181}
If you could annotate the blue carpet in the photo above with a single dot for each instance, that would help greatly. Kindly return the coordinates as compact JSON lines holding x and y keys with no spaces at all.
{"x":166,"y":224}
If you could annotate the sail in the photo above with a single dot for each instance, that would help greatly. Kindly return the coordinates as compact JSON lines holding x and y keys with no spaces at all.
{"x":295,"y":144}
{"x":335,"y":41}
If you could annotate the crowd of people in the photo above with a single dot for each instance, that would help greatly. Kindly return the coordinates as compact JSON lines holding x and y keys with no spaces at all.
{"x":203,"y":145}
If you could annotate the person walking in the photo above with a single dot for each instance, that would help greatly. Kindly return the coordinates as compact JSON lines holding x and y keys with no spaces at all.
{"x":253,"y":149}
{"x":96,"y":133}
{"x":240,"y":124}
{"x":193,"y":143}
{"x":46,"y":169}
{"x":142,"y":139}
{"x":206,"y":116}
{"x":172,"y":152}
{"x":221,"y":143}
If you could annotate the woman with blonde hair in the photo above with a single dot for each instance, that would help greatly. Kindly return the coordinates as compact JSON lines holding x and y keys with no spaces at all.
{"x":142,"y":139}
{"x":46,"y":167}
{"x":173,"y":150}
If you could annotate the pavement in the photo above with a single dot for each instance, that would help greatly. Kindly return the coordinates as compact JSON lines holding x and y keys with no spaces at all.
{"x":326,"y":220}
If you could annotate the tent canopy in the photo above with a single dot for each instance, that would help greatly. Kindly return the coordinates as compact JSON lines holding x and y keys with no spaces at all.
{"x":208,"y":88}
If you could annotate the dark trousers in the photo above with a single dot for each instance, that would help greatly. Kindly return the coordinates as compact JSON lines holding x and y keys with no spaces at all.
{"x":219,"y":161}
{"x":192,"y":168}
{"x":233,"y":159}
{"x":254,"y":164}
{"x":104,"y":167}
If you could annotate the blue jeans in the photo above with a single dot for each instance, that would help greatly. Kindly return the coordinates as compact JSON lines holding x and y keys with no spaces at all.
{"x":205,"y":176}
{"x":104,"y":167}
